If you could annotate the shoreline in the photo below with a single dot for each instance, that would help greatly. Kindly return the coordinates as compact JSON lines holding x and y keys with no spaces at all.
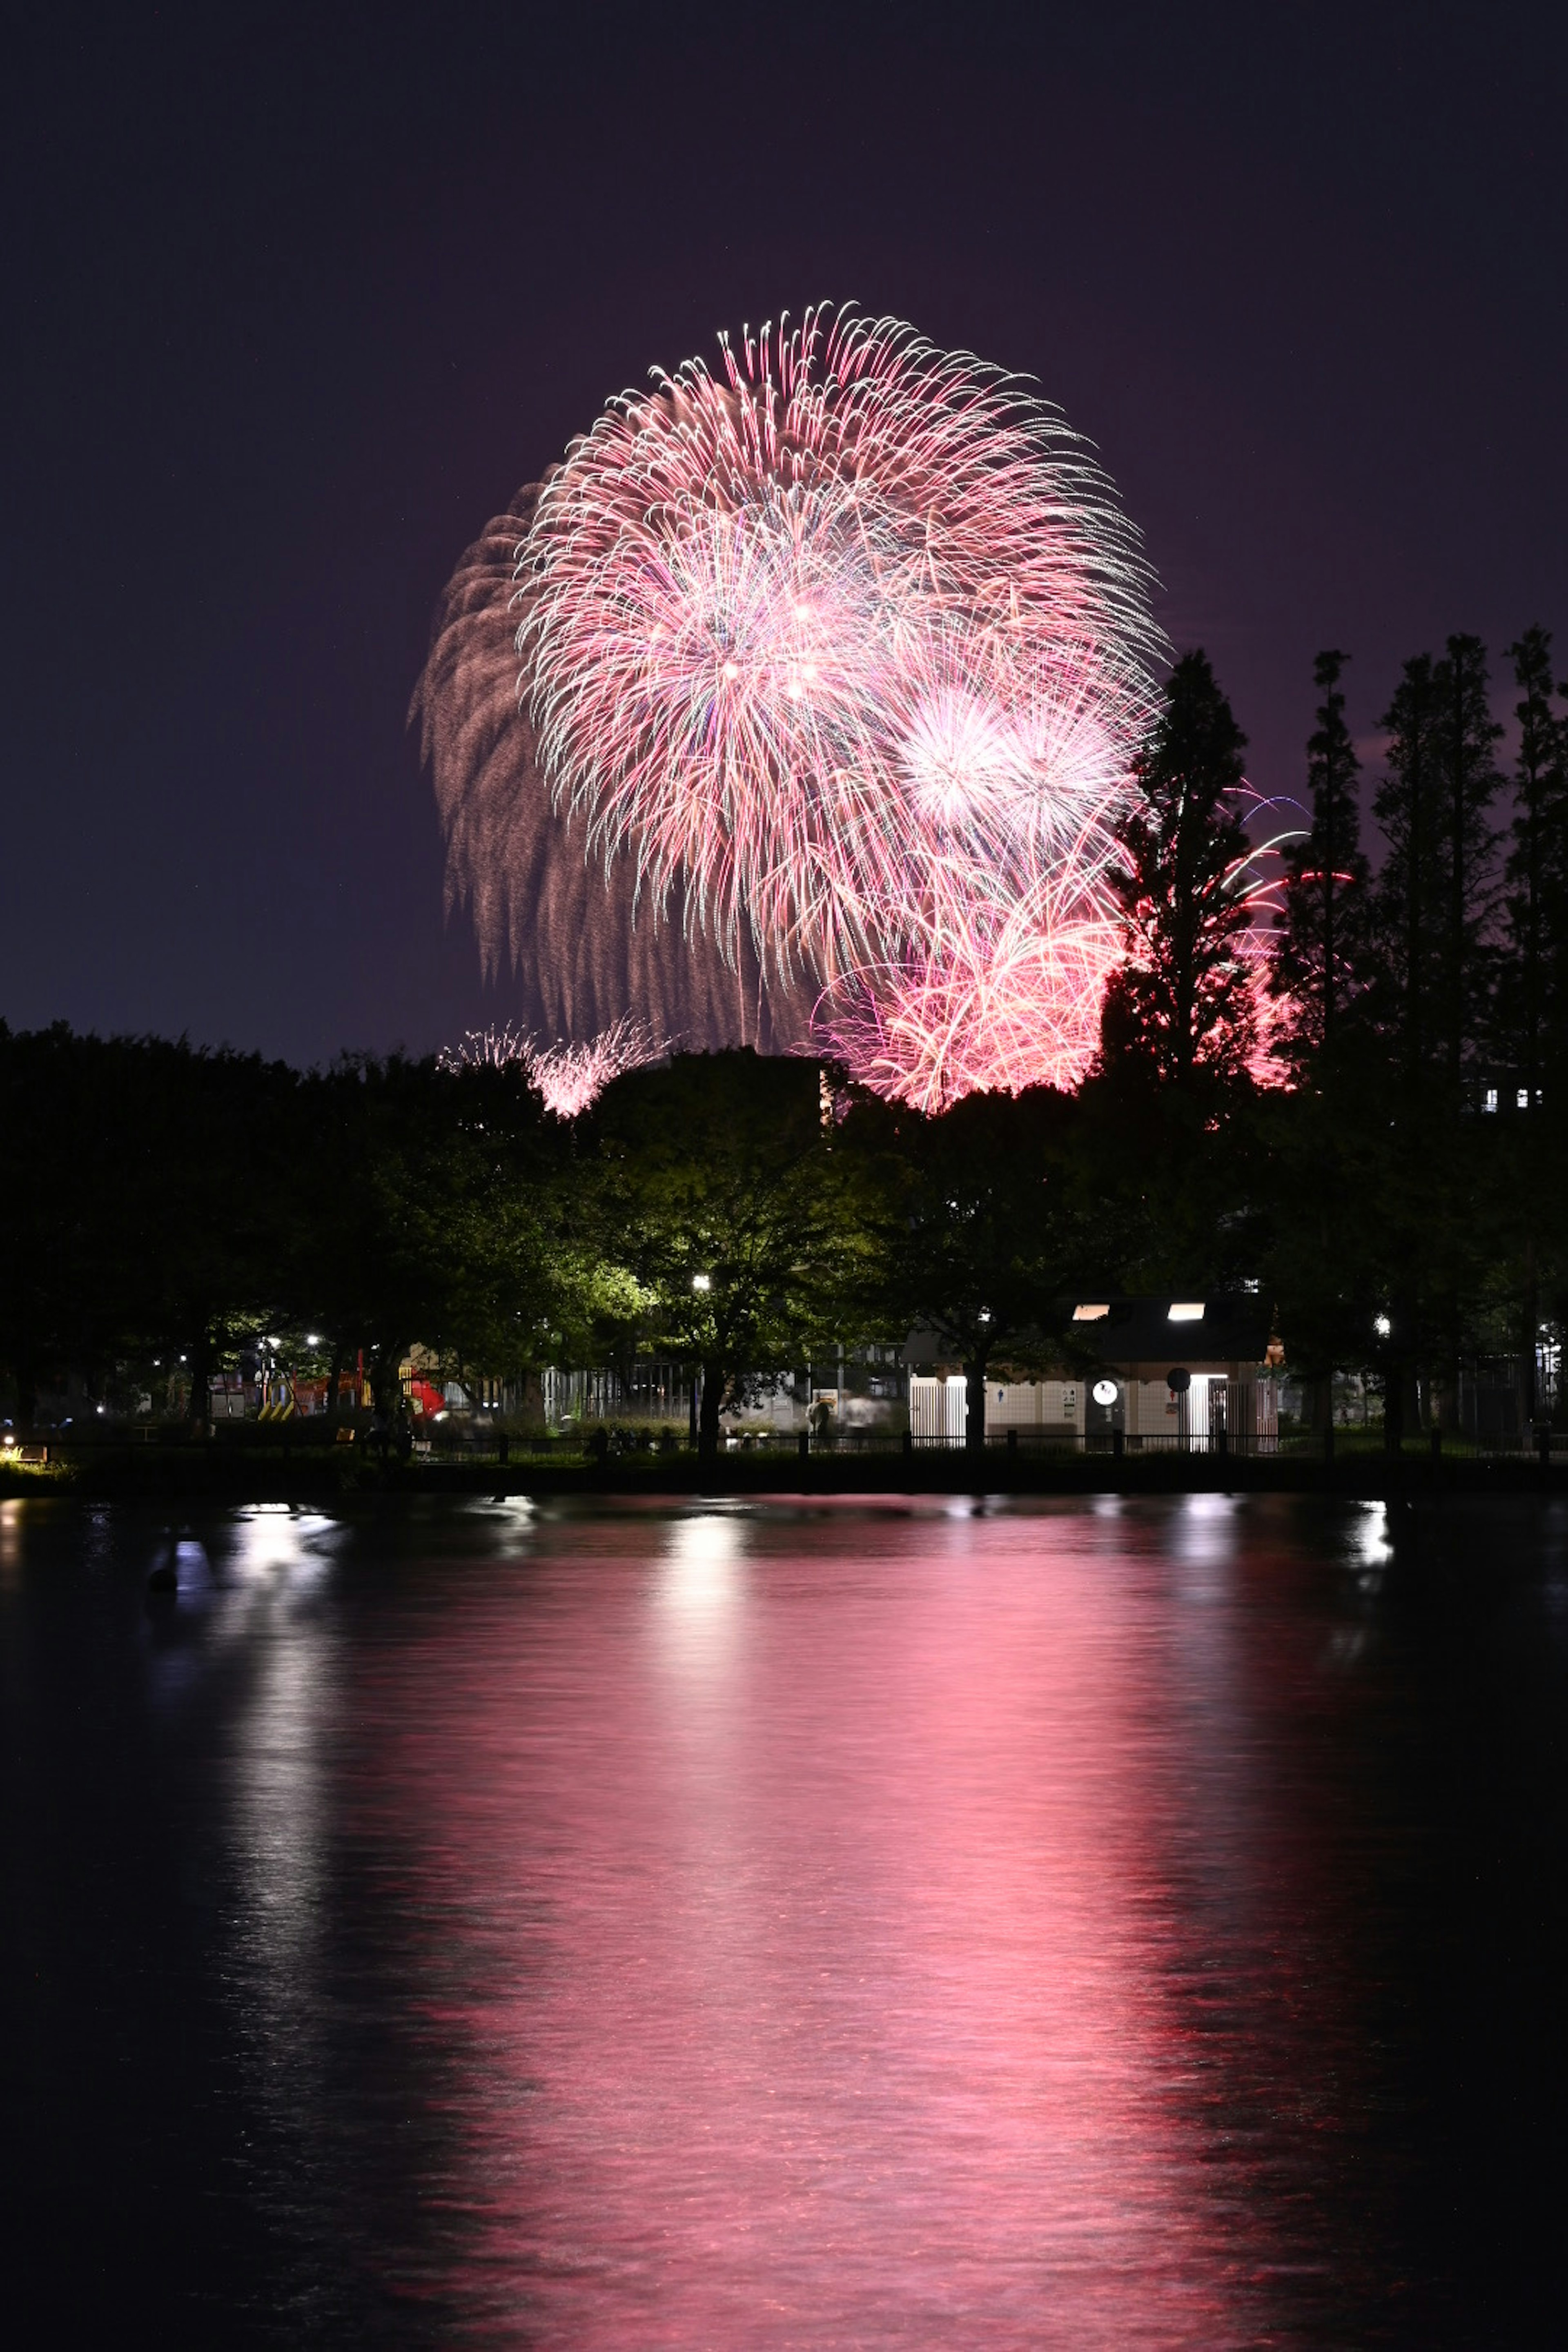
{"x":179,"y":1473}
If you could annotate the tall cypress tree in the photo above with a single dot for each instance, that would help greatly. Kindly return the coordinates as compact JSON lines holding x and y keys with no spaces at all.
{"x":1532,"y":1026}
{"x":1183,"y":1002}
{"x":1407,"y":906}
{"x":1466,"y":735}
{"x":1535,"y":1013}
{"x":1319,"y":963}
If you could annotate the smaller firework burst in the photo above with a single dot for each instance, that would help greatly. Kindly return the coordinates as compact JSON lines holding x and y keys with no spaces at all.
{"x":568,"y":1077}
{"x":486,"y":1049}
{"x":1258,"y":881}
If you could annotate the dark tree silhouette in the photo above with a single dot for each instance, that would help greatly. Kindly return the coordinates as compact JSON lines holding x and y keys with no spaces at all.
{"x":1183,"y":1002}
{"x":1532,"y":1027}
{"x":1319,"y":967}
{"x":989,"y":1234}
{"x":1535,"y":1013}
{"x":1466,"y":733}
{"x":1407,"y":908}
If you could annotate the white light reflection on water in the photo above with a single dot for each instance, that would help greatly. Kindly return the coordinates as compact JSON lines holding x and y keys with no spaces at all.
{"x":699,"y":1592}
{"x":10,"y":1542}
{"x":272,"y":1630}
{"x":1372,"y":1544}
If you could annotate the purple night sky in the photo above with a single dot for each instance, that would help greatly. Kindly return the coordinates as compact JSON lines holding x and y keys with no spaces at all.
{"x":298,"y":299}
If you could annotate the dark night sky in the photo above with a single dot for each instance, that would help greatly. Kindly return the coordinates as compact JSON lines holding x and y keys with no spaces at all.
{"x":297,"y":301}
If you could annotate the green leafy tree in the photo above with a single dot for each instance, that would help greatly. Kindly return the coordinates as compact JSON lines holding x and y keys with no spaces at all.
{"x":1183,"y":1005}
{"x":745,"y":1229}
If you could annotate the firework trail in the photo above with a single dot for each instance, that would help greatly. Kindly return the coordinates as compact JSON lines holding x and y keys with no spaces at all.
{"x":811,"y":715}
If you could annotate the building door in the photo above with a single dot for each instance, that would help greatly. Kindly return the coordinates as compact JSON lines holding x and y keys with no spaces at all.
{"x":1105,"y":1409}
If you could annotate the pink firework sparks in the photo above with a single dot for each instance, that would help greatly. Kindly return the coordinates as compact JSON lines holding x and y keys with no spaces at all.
{"x":568,"y":1076}
{"x":844,"y":651}
{"x":1258,"y":881}
{"x":481,"y":1049}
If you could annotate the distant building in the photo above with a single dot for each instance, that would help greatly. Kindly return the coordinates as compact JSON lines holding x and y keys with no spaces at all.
{"x":1162,"y":1369}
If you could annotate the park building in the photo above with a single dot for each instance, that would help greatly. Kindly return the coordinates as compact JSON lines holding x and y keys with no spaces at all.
{"x":1154,"y":1371}
{"x":1141,"y":1372}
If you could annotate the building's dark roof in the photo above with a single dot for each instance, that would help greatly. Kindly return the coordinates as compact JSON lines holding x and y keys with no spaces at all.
{"x":1232,"y":1328}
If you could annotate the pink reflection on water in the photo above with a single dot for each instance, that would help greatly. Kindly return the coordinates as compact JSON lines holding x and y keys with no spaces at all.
{"x":816,"y":1930}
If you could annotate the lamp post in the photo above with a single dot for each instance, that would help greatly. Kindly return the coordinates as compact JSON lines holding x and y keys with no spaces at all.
{"x":700,"y":1282}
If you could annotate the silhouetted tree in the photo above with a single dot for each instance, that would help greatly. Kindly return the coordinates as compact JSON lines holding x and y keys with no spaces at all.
{"x":1535,"y":1007}
{"x":990,"y":1232}
{"x":1182,"y":1003}
{"x":147,"y":1212}
{"x":1431,"y":910}
{"x":1532,"y":1005}
{"x":1466,"y":735}
{"x":1319,"y":964}
{"x":1407,"y":907}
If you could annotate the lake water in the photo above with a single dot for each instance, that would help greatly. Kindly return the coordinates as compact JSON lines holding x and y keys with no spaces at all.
{"x":1118,"y":1923}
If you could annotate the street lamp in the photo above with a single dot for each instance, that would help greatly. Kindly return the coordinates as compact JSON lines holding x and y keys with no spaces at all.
{"x":701,"y":1282}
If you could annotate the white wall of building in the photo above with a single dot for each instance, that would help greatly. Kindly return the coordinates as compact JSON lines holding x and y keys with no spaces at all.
{"x":1034,"y":1405}
{"x":939,"y":1410}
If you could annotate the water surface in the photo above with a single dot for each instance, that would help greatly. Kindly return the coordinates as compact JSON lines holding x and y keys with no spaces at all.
{"x":1114,"y":1923}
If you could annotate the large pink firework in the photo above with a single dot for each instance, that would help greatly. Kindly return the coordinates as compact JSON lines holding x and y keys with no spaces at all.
{"x":837,"y":656}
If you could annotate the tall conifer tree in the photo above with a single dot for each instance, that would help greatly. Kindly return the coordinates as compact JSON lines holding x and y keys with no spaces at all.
{"x":1532,"y":1026}
{"x":1466,"y":736}
{"x":1319,"y":965}
{"x":1407,"y":908}
{"x":1535,"y":1020}
{"x":1183,"y":1002}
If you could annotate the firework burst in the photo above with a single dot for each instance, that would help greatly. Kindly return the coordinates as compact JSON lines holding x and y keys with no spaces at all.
{"x":568,"y":1076}
{"x":837,"y":658}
